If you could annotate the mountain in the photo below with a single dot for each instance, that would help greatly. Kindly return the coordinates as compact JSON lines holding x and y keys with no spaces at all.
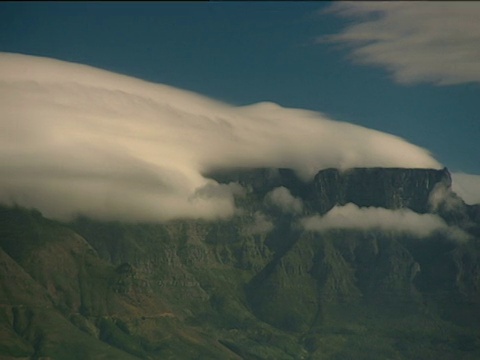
{"x":259,"y":285}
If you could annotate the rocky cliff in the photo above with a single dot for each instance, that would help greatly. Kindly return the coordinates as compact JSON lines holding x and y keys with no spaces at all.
{"x":390,"y":188}
{"x":256,"y":286}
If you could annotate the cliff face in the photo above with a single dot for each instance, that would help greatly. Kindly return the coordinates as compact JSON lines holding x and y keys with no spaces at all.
{"x":256,"y":286}
{"x":386,"y":188}
{"x":390,"y":188}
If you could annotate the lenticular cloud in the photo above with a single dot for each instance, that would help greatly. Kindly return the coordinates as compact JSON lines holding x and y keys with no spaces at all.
{"x":79,"y":140}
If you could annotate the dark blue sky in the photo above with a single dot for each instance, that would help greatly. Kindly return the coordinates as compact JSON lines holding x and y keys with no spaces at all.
{"x":246,"y":52}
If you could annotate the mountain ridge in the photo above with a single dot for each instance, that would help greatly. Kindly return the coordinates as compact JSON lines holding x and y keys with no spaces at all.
{"x":255,"y":286}
{"x":333,"y":186}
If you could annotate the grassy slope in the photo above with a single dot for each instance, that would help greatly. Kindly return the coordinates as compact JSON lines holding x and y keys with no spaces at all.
{"x":193,"y":290}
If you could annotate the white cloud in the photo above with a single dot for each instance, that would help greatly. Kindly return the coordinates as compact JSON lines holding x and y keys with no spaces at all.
{"x":467,"y":186}
{"x":283,"y":199}
{"x":417,"y":41}
{"x":75,"y":139}
{"x":407,"y":221}
{"x":442,"y":197}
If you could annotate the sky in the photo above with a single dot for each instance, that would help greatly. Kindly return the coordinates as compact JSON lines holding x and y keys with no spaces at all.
{"x":409,"y":69}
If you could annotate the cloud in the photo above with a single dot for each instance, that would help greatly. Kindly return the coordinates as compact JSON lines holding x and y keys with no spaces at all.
{"x":407,"y":221}
{"x":261,"y":225}
{"x":284,"y":200}
{"x":80,"y":140}
{"x":417,"y":41}
{"x":442,"y":198}
{"x":467,"y":186}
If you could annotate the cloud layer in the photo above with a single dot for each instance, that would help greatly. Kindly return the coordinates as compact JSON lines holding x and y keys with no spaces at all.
{"x":75,"y":139}
{"x":437,"y":42}
{"x":351,"y":216}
